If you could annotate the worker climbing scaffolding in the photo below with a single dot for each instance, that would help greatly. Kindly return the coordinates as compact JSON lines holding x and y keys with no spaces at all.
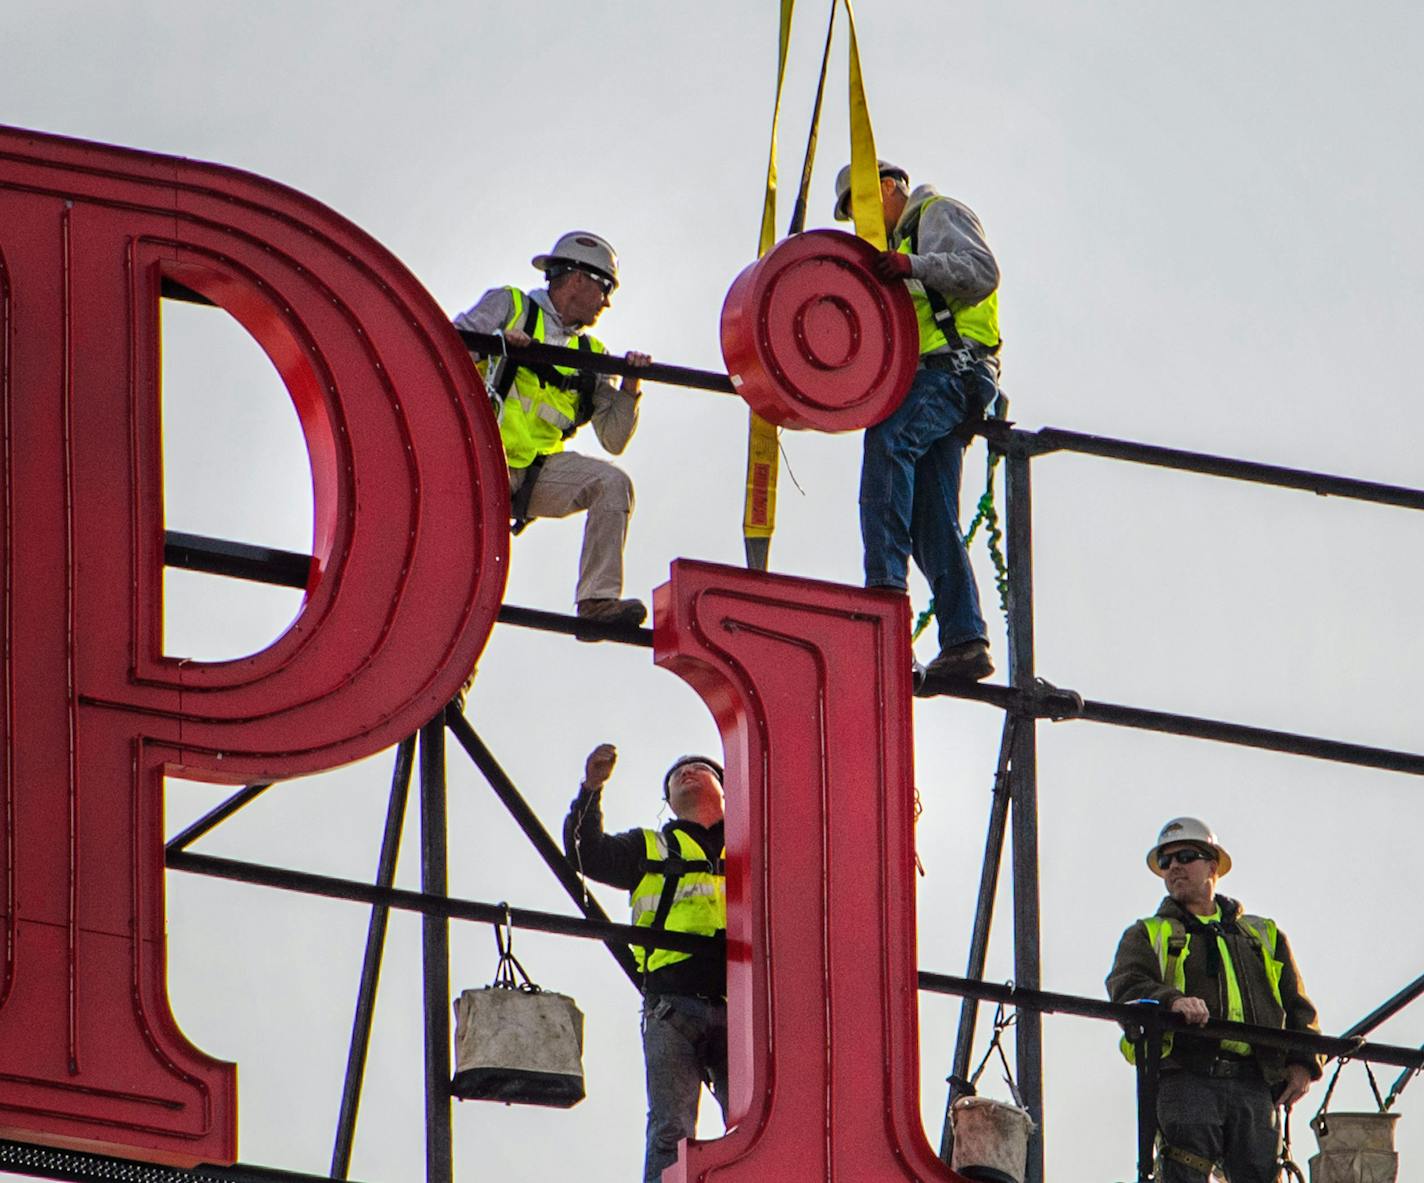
{"x":542,"y":406}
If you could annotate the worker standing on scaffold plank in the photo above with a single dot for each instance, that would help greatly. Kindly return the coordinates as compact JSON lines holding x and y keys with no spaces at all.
{"x":910,"y":476}
{"x":676,"y":880}
{"x":1204,"y":958}
{"x":541,"y":406}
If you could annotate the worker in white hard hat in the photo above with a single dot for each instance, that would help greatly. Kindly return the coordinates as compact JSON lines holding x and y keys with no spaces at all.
{"x":913,"y":460}
{"x":1202,"y":956}
{"x":541,"y":406}
{"x":675,"y":879}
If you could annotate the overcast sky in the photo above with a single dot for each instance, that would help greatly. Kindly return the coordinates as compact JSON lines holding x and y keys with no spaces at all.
{"x":1207,"y":220}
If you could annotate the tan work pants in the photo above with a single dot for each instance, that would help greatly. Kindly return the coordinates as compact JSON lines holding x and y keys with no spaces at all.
{"x":568,"y":483}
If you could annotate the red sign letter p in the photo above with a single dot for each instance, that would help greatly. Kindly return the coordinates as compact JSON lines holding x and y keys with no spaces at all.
{"x":411,"y":509}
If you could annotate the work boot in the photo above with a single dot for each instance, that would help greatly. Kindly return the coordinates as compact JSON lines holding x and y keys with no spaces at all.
{"x":968,"y":661}
{"x":624,"y":612}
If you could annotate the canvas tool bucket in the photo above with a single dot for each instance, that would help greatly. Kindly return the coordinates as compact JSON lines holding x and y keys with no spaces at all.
{"x":1355,"y":1148}
{"x":990,"y":1140}
{"x":517,"y":1043}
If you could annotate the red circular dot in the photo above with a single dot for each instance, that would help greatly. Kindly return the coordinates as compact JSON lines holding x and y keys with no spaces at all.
{"x":813,"y":339}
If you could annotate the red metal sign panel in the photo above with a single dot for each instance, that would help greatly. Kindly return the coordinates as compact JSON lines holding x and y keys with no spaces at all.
{"x":813,"y":339}
{"x":411,"y":506}
{"x":810,"y":684}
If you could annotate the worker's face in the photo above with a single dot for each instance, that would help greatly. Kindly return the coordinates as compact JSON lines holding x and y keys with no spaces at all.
{"x":584,"y":296}
{"x":892,"y":201}
{"x":1192,"y":882}
{"x":694,"y":788}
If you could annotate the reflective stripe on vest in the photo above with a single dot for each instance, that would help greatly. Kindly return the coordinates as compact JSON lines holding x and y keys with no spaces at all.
{"x":699,"y":902}
{"x":1171,"y":942}
{"x":537,"y":416}
{"x":979,"y":322}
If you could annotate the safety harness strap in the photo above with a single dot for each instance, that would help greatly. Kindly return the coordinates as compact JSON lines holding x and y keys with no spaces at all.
{"x":583,"y":381}
{"x":672,"y":869}
{"x":1193,"y":1162}
{"x":531,"y":322}
{"x":519,"y":506}
{"x":675,"y":865}
{"x":939,"y":306}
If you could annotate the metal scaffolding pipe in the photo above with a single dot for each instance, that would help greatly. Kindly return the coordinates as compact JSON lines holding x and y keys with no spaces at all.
{"x":528,"y":821}
{"x":1023,"y":791}
{"x":215,"y":817}
{"x":370,"y":979}
{"x":1044,"y":1001}
{"x":1388,"y":1009}
{"x":435,"y":959}
{"x":1133,"y":1014}
{"x":444,"y":906}
{"x":1056,"y":439}
{"x":979,"y":940}
{"x":490,"y":345}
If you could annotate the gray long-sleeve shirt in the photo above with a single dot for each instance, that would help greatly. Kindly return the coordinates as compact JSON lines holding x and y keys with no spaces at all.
{"x":953,"y":257}
{"x":615,"y":410}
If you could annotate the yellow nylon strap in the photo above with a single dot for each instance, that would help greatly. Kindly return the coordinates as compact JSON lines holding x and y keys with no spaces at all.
{"x":865,"y":206}
{"x":759,"y":507}
{"x":768,"y":209}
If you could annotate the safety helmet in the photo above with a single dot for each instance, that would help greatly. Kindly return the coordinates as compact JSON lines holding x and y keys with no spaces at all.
{"x":580,"y":248}
{"x":1193,"y":830}
{"x":680,"y":762}
{"x":843,"y":185}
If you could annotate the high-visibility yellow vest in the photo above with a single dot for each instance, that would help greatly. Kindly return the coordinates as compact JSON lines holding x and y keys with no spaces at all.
{"x":546,"y":404}
{"x":696,"y":903}
{"x":1171,"y":942}
{"x":979,"y":322}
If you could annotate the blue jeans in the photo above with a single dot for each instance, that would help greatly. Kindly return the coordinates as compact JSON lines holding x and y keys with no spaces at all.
{"x":909,"y":495}
{"x":684,"y":1046}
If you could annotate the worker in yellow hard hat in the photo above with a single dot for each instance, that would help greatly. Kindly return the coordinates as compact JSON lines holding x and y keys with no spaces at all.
{"x":541,"y":406}
{"x":913,"y":460}
{"x":1202,"y":956}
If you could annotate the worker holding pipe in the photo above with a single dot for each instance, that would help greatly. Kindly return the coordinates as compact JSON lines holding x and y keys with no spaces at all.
{"x":1204,"y":958}
{"x":675,"y":879}
{"x":540,"y":406}
{"x":913,"y":460}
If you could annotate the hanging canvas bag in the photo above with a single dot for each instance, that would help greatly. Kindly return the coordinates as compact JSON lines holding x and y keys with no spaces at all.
{"x":991,"y":1137}
{"x":515,"y":1042}
{"x":1354,"y":1147}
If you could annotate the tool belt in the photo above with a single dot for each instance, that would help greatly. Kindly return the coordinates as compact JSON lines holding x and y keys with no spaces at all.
{"x":1231,"y":1068}
{"x":962,"y":358}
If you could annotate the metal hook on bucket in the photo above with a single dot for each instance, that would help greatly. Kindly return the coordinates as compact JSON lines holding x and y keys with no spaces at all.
{"x":504,"y":974}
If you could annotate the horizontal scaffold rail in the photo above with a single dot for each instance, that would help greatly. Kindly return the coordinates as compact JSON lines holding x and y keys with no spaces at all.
{"x":1045,"y":701}
{"x":490,"y":345}
{"x":451,"y":908}
{"x":240,"y":561}
{"x":999,"y":433}
{"x":1055,"y":439}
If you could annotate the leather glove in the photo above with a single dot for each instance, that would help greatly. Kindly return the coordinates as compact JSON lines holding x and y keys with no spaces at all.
{"x":891,"y":265}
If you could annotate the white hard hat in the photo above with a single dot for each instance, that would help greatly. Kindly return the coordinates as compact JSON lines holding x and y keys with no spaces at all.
{"x":1195,"y":831}
{"x":580,"y":248}
{"x":843,"y":185}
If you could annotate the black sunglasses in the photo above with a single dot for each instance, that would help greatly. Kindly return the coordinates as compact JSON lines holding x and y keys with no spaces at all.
{"x":1182,"y":857}
{"x":605,"y":284}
